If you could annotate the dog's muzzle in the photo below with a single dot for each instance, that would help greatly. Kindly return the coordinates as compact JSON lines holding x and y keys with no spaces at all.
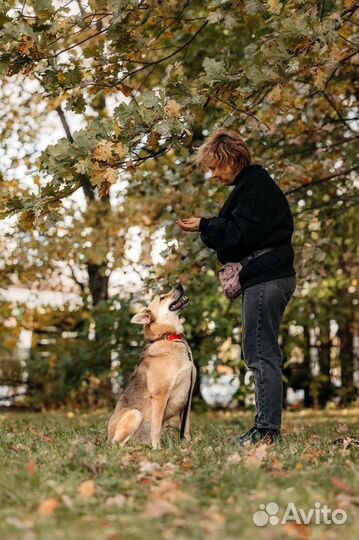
{"x":180,"y":302}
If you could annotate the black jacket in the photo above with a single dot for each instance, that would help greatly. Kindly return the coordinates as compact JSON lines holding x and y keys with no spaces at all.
{"x":255,"y":215}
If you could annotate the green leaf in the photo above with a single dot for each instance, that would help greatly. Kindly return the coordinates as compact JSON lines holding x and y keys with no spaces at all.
{"x":76,"y":104}
{"x":149,"y":99}
{"x":215,"y":70}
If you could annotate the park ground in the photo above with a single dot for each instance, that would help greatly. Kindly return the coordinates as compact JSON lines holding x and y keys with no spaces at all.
{"x":60,"y":479}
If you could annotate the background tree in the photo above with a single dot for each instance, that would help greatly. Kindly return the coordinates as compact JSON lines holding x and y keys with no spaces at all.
{"x":145,"y":82}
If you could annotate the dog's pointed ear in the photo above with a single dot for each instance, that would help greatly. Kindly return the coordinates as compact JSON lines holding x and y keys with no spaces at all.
{"x":143,"y":317}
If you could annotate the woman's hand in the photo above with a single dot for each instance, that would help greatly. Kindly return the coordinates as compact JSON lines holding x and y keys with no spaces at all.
{"x":190,"y":224}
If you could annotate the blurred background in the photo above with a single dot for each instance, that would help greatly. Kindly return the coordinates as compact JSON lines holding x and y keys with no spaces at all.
{"x":102,"y":105}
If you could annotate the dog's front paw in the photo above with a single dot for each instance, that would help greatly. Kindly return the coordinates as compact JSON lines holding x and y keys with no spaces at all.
{"x":156,"y":446}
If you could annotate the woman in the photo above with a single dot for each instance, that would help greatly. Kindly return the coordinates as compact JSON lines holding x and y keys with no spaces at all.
{"x":255,"y":217}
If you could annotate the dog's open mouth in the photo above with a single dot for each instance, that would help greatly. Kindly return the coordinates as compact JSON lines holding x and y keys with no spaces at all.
{"x":178,"y":304}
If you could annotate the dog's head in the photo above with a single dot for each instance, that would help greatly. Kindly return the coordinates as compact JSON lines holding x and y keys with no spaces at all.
{"x":164,"y":309}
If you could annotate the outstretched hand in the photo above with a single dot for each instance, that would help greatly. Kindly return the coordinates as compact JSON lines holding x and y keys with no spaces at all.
{"x":190,"y":224}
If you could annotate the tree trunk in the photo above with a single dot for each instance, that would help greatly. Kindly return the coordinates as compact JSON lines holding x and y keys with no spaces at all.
{"x":97,"y":278}
{"x":98,"y":281}
{"x":307,"y":375}
{"x":325,"y":388}
{"x":346,"y":357}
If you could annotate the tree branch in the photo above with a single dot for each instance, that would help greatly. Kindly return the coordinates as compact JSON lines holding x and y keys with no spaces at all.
{"x":332,"y":104}
{"x":86,"y":186}
{"x":234,"y":108}
{"x":79,"y":283}
{"x":321,"y":180}
{"x":154,"y":62}
{"x":328,"y":205}
{"x":313,"y":148}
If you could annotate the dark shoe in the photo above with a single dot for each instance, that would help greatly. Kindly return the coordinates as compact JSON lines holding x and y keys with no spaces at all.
{"x":256,"y":435}
{"x":246,"y":436}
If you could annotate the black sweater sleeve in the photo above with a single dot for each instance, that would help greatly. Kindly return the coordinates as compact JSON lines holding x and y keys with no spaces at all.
{"x":217,"y":232}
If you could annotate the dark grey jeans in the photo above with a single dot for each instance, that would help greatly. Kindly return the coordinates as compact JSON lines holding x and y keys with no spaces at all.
{"x":263,"y":306}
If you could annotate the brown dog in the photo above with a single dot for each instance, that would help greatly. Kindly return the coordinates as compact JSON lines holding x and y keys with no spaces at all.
{"x":162,"y":384}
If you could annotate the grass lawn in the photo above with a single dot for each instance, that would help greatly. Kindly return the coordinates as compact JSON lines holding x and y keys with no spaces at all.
{"x":60,"y":479}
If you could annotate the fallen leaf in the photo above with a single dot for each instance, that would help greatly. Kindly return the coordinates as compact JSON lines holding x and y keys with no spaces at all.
{"x":296,"y":530}
{"x":48,"y":506}
{"x":146,"y":467}
{"x":186,"y":464}
{"x":162,"y":497}
{"x":212,"y":520}
{"x":232,"y":459}
{"x":169,"y":467}
{"x":343,"y":486}
{"x":158,"y":507}
{"x":276,"y":469}
{"x":87,"y":488}
{"x":311,"y":457}
{"x":145,"y":480}
{"x":346,"y":442}
{"x":117,"y":501}
{"x":68,"y":502}
{"x":129,"y":459}
{"x":276,"y":465}
{"x":18,"y":524}
{"x":171,"y":490}
{"x":31,"y":468}
{"x":90,"y":519}
{"x":255,"y":456}
{"x":344,"y":500}
{"x":342,"y":428}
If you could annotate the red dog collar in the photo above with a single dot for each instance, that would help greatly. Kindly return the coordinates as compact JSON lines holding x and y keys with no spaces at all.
{"x":171,"y":337}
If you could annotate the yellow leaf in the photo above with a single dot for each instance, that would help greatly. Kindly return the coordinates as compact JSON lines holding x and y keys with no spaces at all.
{"x":87,"y":489}
{"x":120,"y":150}
{"x":110,"y":175}
{"x":103,"y":152}
{"x":335,"y":53}
{"x":275,"y":95}
{"x":25,"y":46}
{"x":172,"y":109}
{"x":60,"y":76}
{"x":274,"y":6}
{"x":52,"y":104}
{"x":320,"y":78}
{"x":96,"y":173}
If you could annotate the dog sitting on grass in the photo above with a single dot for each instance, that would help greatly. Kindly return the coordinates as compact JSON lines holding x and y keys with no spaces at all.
{"x":162,"y":384}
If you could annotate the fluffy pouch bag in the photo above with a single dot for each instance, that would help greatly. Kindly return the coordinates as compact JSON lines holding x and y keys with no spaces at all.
{"x":228,"y":277}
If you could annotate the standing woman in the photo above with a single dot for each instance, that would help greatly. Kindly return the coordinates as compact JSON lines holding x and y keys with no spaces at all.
{"x":253,"y":227}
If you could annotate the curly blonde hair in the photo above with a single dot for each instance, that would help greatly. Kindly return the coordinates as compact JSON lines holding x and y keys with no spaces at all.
{"x":225,"y":147}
